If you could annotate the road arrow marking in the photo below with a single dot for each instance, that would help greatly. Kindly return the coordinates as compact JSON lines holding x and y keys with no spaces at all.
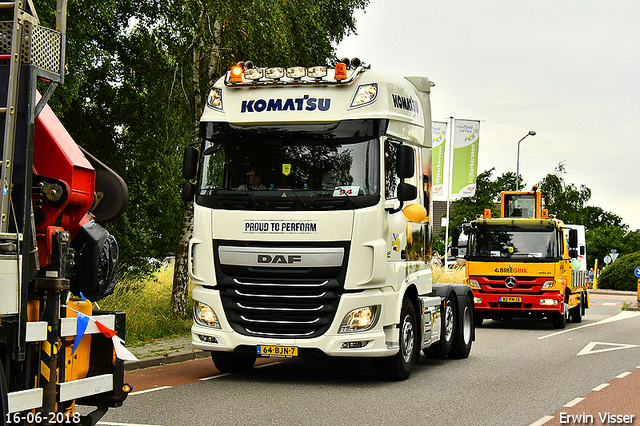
{"x":621,"y":316}
{"x":589,"y":349}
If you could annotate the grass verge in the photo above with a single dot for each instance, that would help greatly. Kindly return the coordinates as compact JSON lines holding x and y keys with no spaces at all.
{"x":147,"y":303}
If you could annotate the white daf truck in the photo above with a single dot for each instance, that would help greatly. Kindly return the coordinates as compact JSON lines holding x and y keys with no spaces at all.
{"x":312,"y":229}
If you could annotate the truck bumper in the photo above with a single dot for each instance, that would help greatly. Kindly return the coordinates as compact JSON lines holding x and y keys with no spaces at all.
{"x":518,"y":304}
{"x":380,"y":341}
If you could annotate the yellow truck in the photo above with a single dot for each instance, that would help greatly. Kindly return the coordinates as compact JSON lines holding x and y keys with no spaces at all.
{"x":525,"y":266}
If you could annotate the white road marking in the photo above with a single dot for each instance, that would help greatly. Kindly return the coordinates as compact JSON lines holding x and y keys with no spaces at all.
{"x":542,"y":421}
{"x":621,"y":316}
{"x":625,"y":374}
{"x":214,"y":377}
{"x":574,"y":402}
{"x":599,"y":388}
{"x":150,"y":390}
{"x":589,"y":349}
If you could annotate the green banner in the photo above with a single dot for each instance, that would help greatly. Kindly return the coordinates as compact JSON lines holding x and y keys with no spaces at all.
{"x":439,"y":138}
{"x":466,"y":135}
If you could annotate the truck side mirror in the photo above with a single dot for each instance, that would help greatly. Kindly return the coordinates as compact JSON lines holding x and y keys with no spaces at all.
{"x":406,"y":192}
{"x":573,"y":239}
{"x":573,"y":253}
{"x":455,"y":237}
{"x":405,"y":162}
{"x":188,"y":191}
{"x":190,"y":163}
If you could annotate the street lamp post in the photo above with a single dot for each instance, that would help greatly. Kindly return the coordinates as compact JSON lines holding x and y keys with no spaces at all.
{"x":531,"y":133}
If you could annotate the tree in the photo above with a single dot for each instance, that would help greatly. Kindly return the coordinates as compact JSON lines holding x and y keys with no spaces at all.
{"x":564,"y":200}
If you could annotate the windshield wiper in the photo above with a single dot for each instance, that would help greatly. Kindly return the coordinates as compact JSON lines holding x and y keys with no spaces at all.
{"x":299,"y":198}
{"x":255,"y":203}
{"x":344,"y":192}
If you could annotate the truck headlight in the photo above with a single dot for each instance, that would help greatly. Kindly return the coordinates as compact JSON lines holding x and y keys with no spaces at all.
{"x":548,"y":284}
{"x":548,"y":302}
{"x":474,"y":283}
{"x":360,"y":319}
{"x":204,"y":315}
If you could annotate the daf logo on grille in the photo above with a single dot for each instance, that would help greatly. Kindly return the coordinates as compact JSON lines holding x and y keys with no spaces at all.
{"x":278,"y":258}
{"x":510,"y":282}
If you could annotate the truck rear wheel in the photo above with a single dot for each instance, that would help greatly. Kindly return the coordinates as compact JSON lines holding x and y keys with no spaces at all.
{"x":398,"y":367}
{"x":229,"y":362}
{"x":464,"y":338}
{"x":447,"y":330}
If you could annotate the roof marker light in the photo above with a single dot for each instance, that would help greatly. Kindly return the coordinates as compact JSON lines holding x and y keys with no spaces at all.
{"x":236,"y":74}
{"x":341,"y":71}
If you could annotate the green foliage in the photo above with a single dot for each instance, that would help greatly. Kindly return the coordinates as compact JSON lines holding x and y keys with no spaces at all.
{"x":619,"y":275}
{"x":565,"y":200}
{"x":147,"y":302}
{"x":601,"y":240}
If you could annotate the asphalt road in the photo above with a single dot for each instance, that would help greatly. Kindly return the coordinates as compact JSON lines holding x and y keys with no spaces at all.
{"x":521,"y":372}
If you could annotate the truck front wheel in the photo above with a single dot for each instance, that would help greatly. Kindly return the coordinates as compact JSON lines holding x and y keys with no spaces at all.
{"x":398,"y":367}
{"x":229,"y":362}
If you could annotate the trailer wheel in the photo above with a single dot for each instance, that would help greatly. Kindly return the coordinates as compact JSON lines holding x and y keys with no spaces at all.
{"x":229,"y":362}
{"x":4,"y":402}
{"x":398,"y":367}
{"x":464,"y":338}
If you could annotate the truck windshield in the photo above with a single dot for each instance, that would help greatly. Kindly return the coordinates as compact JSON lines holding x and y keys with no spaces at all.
{"x":291,"y":172}
{"x":511,"y":242}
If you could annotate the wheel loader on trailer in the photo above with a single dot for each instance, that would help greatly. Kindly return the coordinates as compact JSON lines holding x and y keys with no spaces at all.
{"x":312,"y":226}
{"x":55,"y":257}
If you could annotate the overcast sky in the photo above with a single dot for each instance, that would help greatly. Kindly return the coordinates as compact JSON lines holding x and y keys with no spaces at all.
{"x":570,"y":70}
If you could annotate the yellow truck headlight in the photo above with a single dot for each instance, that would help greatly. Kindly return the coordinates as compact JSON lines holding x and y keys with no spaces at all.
{"x":204,"y":315}
{"x":474,"y":283}
{"x":360,"y":319}
{"x":548,"y":284}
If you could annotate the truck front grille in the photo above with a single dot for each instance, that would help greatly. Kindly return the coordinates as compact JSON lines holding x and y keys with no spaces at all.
{"x":284,"y":303}
{"x":286,"y":308}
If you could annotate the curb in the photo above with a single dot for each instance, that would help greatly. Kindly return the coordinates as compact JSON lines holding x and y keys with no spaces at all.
{"x":186,"y":355}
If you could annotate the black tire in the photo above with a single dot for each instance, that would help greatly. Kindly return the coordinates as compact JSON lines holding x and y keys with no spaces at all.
{"x":398,"y":367}
{"x":4,"y":402}
{"x":478,"y":319}
{"x":229,"y":362}
{"x":576,"y":312}
{"x":560,"y":319}
{"x":447,"y":330}
{"x":463,"y":337}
